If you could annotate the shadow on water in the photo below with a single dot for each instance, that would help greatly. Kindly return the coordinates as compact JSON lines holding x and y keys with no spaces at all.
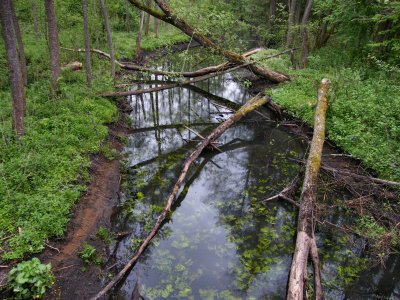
{"x":221,"y":241}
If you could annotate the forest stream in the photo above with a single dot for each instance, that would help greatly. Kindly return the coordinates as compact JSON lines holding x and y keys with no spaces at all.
{"x":221,"y":240}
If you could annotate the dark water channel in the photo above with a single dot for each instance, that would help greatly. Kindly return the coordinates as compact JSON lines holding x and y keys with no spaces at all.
{"x":222,"y":241}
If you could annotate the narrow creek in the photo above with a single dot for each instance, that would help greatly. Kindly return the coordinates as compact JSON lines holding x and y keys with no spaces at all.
{"x":222,"y":241}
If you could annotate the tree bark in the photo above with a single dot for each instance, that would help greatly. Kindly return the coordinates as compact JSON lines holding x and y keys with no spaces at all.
{"x":291,"y":19}
{"x":306,"y":220}
{"x":14,"y":66}
{"x":147,"y":20}
{"x":109,"y":38}
{"x":304,"y":34}
{"x":127,"y":18}
{"x":271,"y":15}
{"x":35,"y":17}
{"x":155,"y":29}
{"x":88,"y":61}
{"x":251,"y":105}
{"x":95,"y":27}
{"x":53,"y":44}
{"x":21,"y":51}
{"x":167,"y":16}
{"x":139,"y":37}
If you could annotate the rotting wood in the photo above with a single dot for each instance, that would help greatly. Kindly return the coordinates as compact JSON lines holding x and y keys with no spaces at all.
{"x":248,"y":107}
{"x":167,"y":16}
{"x":306,"y":221}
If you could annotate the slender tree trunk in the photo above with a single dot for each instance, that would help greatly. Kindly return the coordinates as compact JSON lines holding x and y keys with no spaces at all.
{"x":53,"y":44}
{"x":35,"y":17}
{"x":147,"y":20}
{"x":139,"y":37}
{"x":95,"y":27}
{"x":271,"y":14}
{"x":291,"y":19}
{"x":305,"y":241}
{"x":21,"y":51}
{"x":127,"y":19}
{"x":155,"y":27}
{"x":14,"y":66}
{"x":109,"y":39}
{"x":304,"y":34}
{"x":88,"y":60}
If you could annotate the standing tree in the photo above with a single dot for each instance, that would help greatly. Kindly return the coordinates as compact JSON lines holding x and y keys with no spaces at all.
{"x":291,"y":22}
{"x":35,"y":17}
{"x":53,"y":43}
{"x":14,"y":66}
{"x":127,"y":19}
{"x":109,"y":39}
{"x":304,"y":34}
{"x":147,"y":20}
{"x":155,"y":29}
{"x":87,"y":43}
{"x":139,"y":36}
{"x":21,"y":51}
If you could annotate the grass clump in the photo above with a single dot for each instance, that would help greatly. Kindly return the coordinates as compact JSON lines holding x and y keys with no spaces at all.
{"x":364,"y":114}
{"x":104,"y":235}
{"x":89,"y":254}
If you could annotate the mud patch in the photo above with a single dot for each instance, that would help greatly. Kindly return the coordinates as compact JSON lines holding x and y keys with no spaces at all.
{"x":74,"y":279}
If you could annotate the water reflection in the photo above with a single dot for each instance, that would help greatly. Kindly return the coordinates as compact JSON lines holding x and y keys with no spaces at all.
{"x":221,"y":241}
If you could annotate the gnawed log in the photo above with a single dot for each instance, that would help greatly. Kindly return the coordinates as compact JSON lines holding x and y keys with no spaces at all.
{"x":250,"y":106}
{"x":167,"y":16}
{"x":306,"y":221}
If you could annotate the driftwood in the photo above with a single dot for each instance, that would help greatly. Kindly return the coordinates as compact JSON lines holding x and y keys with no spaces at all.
{"x":305,"y":241}
{"x":251,"y":105}
{"x":167,"y":16}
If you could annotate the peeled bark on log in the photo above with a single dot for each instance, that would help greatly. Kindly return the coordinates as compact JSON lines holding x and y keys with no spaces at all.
{"x":306,"y":220}
{"x":73,"y":66}
{"x":167,"y":16}
{"x":250,"y":105}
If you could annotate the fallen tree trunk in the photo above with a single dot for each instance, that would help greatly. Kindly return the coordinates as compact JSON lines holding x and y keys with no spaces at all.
{"x":305,"y":241}
{"x":200,"y":72}
{"x":167,"y":16}
{"x":251,"y":105}
{"x":168,"y":86}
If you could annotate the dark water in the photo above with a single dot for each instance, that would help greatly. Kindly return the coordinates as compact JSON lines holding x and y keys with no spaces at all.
{"x":222,"y":241}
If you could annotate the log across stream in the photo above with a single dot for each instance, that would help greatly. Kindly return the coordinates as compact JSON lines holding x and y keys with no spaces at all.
{"x":221,"y":241}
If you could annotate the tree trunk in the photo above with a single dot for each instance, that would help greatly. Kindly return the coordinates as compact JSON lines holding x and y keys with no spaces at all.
{"x":250,"y":106}
{"x":271,"y":15}
{"x":21,"y":51}
{"x":35,"y":17}
{"x":167,"y":16}
{"x":53,"y":44}
{"x":306,"y":220}
{"x":291,"y":18}
{"x":109,"y":38}
{"x":155,"y":29}
{"x":127,"y":19}
{"x":139,"y":37}
{"x":147,"y":20}
{"x":95,"y":27}
{"x":14,"y":66}
{"x":88,"y":60}
{"x":304,"y":34}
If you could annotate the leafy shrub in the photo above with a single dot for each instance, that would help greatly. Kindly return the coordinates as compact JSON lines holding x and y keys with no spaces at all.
{"x":30,"y":279}
{"x":89,"y":254}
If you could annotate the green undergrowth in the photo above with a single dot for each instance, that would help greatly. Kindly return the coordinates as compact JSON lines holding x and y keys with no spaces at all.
{"x":364,"y":114}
